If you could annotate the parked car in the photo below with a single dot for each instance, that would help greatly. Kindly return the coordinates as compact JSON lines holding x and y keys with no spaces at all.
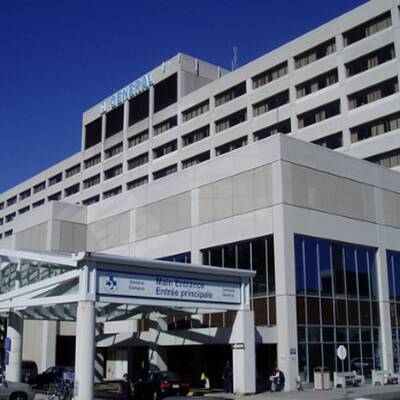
{"x":29,"y":371}
{"x":53,"y":375}
{"x":159,"y":384}
{"x":15,"y":391}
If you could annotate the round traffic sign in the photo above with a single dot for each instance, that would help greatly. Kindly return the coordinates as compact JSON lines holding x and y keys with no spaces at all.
{"x":341,"y":352}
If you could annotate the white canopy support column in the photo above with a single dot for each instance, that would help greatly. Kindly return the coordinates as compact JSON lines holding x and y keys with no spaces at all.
{"x":158,"y":355}
{"x":85,"y":351}
{"x":15,"y":328}
{"x":243,"y":353}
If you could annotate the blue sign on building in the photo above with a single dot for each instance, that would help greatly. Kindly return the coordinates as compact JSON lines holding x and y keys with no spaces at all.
{"x":132,"y":90}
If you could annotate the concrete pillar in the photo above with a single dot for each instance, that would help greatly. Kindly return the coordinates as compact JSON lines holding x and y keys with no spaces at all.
{"x":15,"y":328}
{"x":244,"y":353}
{"x":158,"y":357}
{"x":85,"y":351}
{"x":384,"y":311}
{"x":285,"y":277}
{"x":49,"y":340}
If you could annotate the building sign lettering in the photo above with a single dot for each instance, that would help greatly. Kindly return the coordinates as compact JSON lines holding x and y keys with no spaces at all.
{"x":132,"y":90}
{"x":167,"y":287}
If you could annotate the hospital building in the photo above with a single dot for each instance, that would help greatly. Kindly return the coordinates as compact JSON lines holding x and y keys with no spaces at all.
{"x":287,"y":166}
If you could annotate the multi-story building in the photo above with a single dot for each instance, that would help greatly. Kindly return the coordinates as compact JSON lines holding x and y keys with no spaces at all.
{"x":175,"y":165}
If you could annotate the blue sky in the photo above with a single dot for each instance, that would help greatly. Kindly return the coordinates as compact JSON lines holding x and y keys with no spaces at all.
{"x":58,"y":58}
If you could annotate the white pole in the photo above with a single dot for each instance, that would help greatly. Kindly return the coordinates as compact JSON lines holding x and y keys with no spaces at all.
{"x":85,"y":351}
{"x":15,"y":327}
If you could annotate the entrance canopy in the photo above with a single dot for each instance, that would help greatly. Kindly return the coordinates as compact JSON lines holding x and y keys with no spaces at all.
{"x":48,"y":285}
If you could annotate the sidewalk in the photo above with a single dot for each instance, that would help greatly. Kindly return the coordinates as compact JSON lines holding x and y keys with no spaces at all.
{"x":307,"y":394}
{"x":332,"y":394}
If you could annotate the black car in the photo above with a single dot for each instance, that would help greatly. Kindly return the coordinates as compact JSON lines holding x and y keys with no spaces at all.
{"x":159,"y":384}
{"x":29,"y":371}
{"x":53,"y":375}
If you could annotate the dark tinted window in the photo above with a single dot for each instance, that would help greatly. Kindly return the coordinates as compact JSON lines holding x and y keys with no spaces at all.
{"x":114,"y":121}
{"x":165,"y":93}
{"x":139,"y":108}
{"x":93,"y":133}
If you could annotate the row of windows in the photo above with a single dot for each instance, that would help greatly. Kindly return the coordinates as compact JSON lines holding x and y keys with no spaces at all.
{"x":165,"y":94}
{"x":166,"y":91}
{"x":389,"y":159}
{"x":361,"y":132}
{"x":315,"y":84}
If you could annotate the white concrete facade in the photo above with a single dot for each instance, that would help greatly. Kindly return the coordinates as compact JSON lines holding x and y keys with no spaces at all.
{"x":279,"y":187}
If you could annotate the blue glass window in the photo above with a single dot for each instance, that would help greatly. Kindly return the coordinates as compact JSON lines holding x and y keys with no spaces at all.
{"x":325,"y":268}
{"x":311,"y":266}
{"x":298,"y":247}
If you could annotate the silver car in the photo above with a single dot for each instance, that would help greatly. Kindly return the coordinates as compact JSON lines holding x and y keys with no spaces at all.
{"x":15,"y":391}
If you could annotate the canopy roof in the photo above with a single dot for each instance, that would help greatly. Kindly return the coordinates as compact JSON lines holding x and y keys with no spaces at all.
{"x":48,"y":285}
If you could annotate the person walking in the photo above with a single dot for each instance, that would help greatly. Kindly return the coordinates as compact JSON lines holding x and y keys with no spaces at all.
{"x":126,"y":387}
{"x":228,"y":378}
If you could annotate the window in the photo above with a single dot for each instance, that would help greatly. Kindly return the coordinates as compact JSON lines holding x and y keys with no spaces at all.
{"x":257,"y":255}
{"x":181,"y":258}
{"x":55,"y":179}
{"x":368,"y":28}
{"x":330,"y":142}
{"x":113,"y":151}
{"x":165,"y":172}
{"x":113,"y":172}
{"x":1,"y":221}
{"x":115,"y":121}
{"x":10,"y":217}
{"x":319,"y":114}
{"x":92,"y":181}
{"x":313,"y":85}
{"x":196,"y":135}
{"x":54,"y":197}
{"x":11,"y":201}
{"x":2,"y":205}
{"x":139,"y":138}
{"x":231,"y":120}
{"x":90,"y":162}
{"x":376,"y":127}
{"x":280,"y":127}
{"x":25,"y":194}
{"x":196,"y":110}
{"x":137,"y":182}
{"x":91,"y":200}
{"x":23,"y":210}
{"x":93,"y":133}
{"x":165,"y":93}
{"x":165,"y":126}
{"x":138,"y":160}
{"x":38,"y":203}
{"x":71,"y":190}
{"x":230,"y":94}
{"x":316,"y":53}
{"x":197,"y":159}
{"x":39,"y":187}
{"x":393,"y":268}
{"x":370,"y":60}
{"x":271,"y":103}
{"x":112,"y":192}
{"x":373,"y":93}
{"x":8,"y":233}
{"x":270,"y":75}
{"x":227,"y":147}
{"x":337,"y":304}
{"x":73,"y":170}
{"x":165,"y":149}
{"x":389,"y":159}
{"x":139,"y":108}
